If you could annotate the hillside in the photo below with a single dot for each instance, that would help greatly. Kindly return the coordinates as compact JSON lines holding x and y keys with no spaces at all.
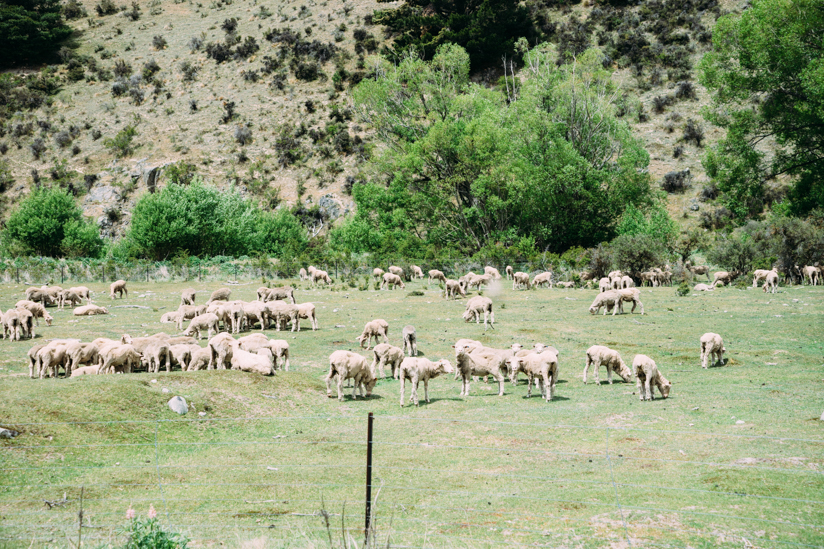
{"x":258,"y":96}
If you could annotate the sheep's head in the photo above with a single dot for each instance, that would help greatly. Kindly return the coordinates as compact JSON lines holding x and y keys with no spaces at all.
{"x":467,"y":316}
{"x":593,"y":310}
{"x":514,"y":363}
{"x":622,"y":370}
{"x":539,"y":348}
{"x":445,"y":367}
{"x":126,"y":338}
{"x":370,"y":384}
{"x":664,"y":385}
{"x":48,"y":318}
{"x":516,"y":347}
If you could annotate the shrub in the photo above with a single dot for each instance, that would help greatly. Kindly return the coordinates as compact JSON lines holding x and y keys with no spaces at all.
{"x":677,"y":182}
{"x":637,"y":253}
{"x":659,"y":103}
{"x":134,"y":13}
{"x":715,"y":219}
{"x":147,"y":533}
{"x":693,"y":132}
{"x":243,"y":135}
{"x":63,"y":139}
{"x":677,"y":151}
{"x":105,"y":7}
{"x":4,"y":148}
{"x":38,"y":147}
{"x":122,"y":143}
{"x":228,"y":112}
{"x":74,"y":10}
{"x":250,"y":76}
{"x":30,"y":31}
{"x":137,"y":95}
{"x":195,"y":43}
{"x":310,"y":106}
{"x":218,"y":51}
{"x":75,"y":71}
{"x":246,"y":49}
{"x":122,"y":69}
{"x":181,"y":173}
{"x":150,"y":68}
{"x":120,"y":87}
{"x":158,"y":42}
{"x":229,"y":26}
{"x":6,"y":177}
{"x":188,"y":70}
{"x":96,"y":134}
{"x":685,"y":90}
{"x":193,"y":105}
{"x":708,"y":192}
{"x":343,"y":142}
{"x":682,"y":290}
{"x":307,"y":71}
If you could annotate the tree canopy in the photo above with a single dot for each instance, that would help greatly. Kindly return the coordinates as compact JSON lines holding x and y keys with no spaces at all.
{"x":766,"y":71}
{"x":30,"y":30}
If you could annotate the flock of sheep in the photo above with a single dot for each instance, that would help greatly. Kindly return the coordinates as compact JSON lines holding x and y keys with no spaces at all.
{"x":219,"y":318}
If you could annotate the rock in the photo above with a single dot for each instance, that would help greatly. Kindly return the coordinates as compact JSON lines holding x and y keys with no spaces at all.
{"x":178,"y":405}
{"x":330,"y":206}
{"x":822,"y":416}
{"x":8,"y":433}
{"x":694,"y":206}
{"x":740,"y":422}
{"x":164,"y":390}
{"x":202,"y":414}
{"x":103,"y":193}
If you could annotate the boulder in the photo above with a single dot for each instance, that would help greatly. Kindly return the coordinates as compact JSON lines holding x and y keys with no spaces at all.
{"x":8,"y":433}
{"x":178,"y":405}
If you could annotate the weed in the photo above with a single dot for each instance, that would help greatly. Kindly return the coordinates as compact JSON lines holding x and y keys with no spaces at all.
{"x":105,"y":7}
{"x":693,"y":132}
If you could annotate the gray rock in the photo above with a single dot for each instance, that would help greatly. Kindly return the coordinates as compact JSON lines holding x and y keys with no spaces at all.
{"x":178,"y":405}
{"x":8,"y":433}
{"x":202,"y":414}
{"x":103,"y":193}
{"x":164,"y":390}
{"x":330,"y":206}
{"x":822,"y":416}
{"x":694,"y":206}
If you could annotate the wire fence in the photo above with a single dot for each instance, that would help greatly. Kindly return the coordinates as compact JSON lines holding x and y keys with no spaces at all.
{"x":435,"y":482}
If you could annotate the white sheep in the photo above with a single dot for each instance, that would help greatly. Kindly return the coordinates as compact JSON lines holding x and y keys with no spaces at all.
{"x":284,"y":293}
{"x":307,"y":311}
{"x":410,"y":340}
{"x":221,"y":294}
{"x":386,"y":354}
{"x":478,"y":281}
{"x":169,"y":317}
{"x":416,"y":271}
{"x":374,"y":329}
{"x":608,"y":299}
{"x":36,"y":309}
{"x":510,"y":272}
{"x":435,"y":274}
{"x":724,"y":276}
{"x":220,"y":351}
{"x":180,"y":354}
{"x":771,"y":282}
{"x":604,"y":285}
{"x":493,"y":272}
{"x":283,"y":313}
{"x":348,"y":365}
{"x":199,"y":359}
{"x":712,"y":346}
{"x":699,"y":269}
{"x":599,"y":355}
{"x":453,"y":289}
{"x":630,"y":295}
{"x":155,"y":354}
{"x":703,"y":288}
{"x":262,"y":362}
{"x":256,"y":312}
{"x":90,"y":310}
{"x":119,"y":358}
{"x":542,"y":279}
{"x":397,"y":271}
{"x":84,"y":371}
{"x":68,"y":297}
{"x":421,"y":369}
{"x":811,"y":274}
{"x":302,"y":274}
{"x":82,"y":353}
{"x":520,"y":280}
{"x":187,"y":296}
{"x":480,"y":363}
{"x":627,"y":282}
{"x":207,"y":322}
{"x":188,"y":312}
{"x":542,"y":367}
{"x":759,"y":275}
{"x":647,"y":376}
{"x":118,"y":288}
{"x":392,"y":281}
{"x":478,"y":305}
{"x":566,"y":285}
{"x":378,"y":273}
{"x":11,"y":324}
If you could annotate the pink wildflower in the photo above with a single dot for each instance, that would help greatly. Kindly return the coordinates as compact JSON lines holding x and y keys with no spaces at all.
{"x":152,"y":513}
{"x":130,"y":513}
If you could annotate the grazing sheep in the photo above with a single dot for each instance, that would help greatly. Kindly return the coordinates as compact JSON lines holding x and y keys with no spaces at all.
{"x":307,"y":311}
{"x":188,"y":312}
{"x":310,"y":270}
{"x":725,"y":277}
{"x":453,"y":289}
{"x":279,"y":348}
{"x":90,"y":310}
{"x":712,"y":346}
{"x":26,"y":323}
{"x":410,"y":340}
{"x":386,"y":354}
{"x":509,"y":272}
{"x":520,"y":280}
{"x":771,"y":282}
{"x":542,"y":367}
{"x":32,"y":359}
{"x":83,"y":292}
{"x":221,"y":294}
{"x":416,"y":271}
{"x":378,"y":273}
{"x":630,"y":295}
{"x":234,"y":311}
{"x":759,"y":275}
{"x":119,"y":358}
{"x":650,"y":277}
{"x":53,"y":291}
{"x":811,"y":274}
{"x":392,"y":281}
{"x":627,"y":282}
{"x":82,"y":353}
{"x":155,"y":354}
{"x":220,"y":351}
{"x":51,"y":357}
{"x":187,"y":296}
{"x":477,"y":305}
{"x":598,"y":355}
{"x":375,"y":328}
{"x":647,"y":376}
{"x":566,"y":285}
{"x":435,"y":274}
{"x":699,"y":269}
{"x":302,"y":274}
{"x":321,"y":276}
{"x":169,"y":318}
{"x":348,"y":365}
{"x":181,"y":340}
{"x":11,"y":324}
{"x":36,"y":309}
{"x":118,"y":288}
{"x":604,"y":285}
{"x":284,"y":293}
{"x":283,"y":313}
{"x":542,"y":279}
{"x":703,"y":288}
{"x":480,"y":363}
{"x":199,"y":359}
{"x":255,"y":311}
{"x":397,"y":271}
{"x":180,"y":354}
{"x":421,"y":369}
{"x":70,"y":297}
{"x":478,"y":281}
{"x":493,"y":272}
{"x":608,"y":299}
{"x":39,"y":296}
{"x":207,"y":322}
{"x":262,"y":362}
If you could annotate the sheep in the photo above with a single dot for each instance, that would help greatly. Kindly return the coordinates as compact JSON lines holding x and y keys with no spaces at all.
{"x":627,"y":282}
{"x":647,"y":377}
{"x":307,"y":311}
{"x":36,"y":309}
{"x":262,"y":362}
{"x":284,"y":293}
{"x":699,"y":269}
{"x":234,"y":311}
{"x":83,"y":292}
{"x":283,"y":313}
{"x":392,"y":281}
{"x":169,"y":318}
{"x":703,"y":288}
{"x":207,"y":322}
{"x":187,"y":296}
{"x":310,"y":270}
{"x":453,"y":288}
{"x":810,"y":274}
{"x":85,"y":371}
{"x":397,"y":271}
{"x":139,"y":343}
{"x":38,"y":295}
{"x":188,"y":312}
{"x":509,"y":272}
{"x":566,"y":285}
{"x":464,"y":280}
{"x":221,"y":294}
{"x":302,"y":274}
{"x":119,"y":288}
{"x":51,"y":357}
{"x":90,"y":310}
{"x":543,"y":366}
{"x":256,"y":311}
{"x":771,"y":282}
{"x":279,"y":347}
{"x":181,"y":354}
{"x":493,"y":272}
{"x":32,"y":360}
{"x":378,"y":273}
{"x":123,"y":358}
{"x":82,"y":353}
{"x":410,"y":340}
{"x":421,"y":369}
{"x":649,"y":277}
{"x":220,"y":351}
{"x":321,"y":276}
{"x":613,"y":274}
{"x":542,"y":279}
{"x":477,"y":305}
{"x":179,"y":340}
{"x":520,"y":279}
{"x":712,"y":346}
{"x":416,"y":272}
{"x":604,"y":285}
{"x":386,"y":354}
{"x":26,"y":323}
{"x":608,"y":299}
{"x":53,"y":291}
{"x":199,"y":359}
{"x":156,"y":353}
{"x":480,"y":363}
{"x":630,"y":295}
{"x":598,"y":355}
{"x":375,"y":328}
{"x":70,"y":297}
{"x":725,"y":277}
{"x":435,"y":274}
{"x":11,"y":324}
{"x":759,"y":275}
{"x":348,"y":365}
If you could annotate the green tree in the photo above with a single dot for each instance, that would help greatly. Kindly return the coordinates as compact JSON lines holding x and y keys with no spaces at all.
{"x":30,"y":30}
{"x":48,"y":222}
{"x":766,"y":72}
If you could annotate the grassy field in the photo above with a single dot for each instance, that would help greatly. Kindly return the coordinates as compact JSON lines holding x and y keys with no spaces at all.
{"x":733,"y":458}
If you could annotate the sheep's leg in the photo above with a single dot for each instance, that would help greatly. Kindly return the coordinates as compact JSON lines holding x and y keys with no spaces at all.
{"x":597,"y":364}
{"x":648,"y":389}
{"x":340,"y":386}
{"x":609,"y":373}
{"x":552,"y":386}
{"x":639,"y":385}
{"x":529,"y":379}
{"x":403,"y":387}
{"x":703,"y":356}
{"x":500,"y":379}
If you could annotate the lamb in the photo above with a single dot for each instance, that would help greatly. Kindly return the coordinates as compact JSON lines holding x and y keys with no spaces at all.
{"x":187,"y":296}
{"x":477,"y":305}
{"x":464,"y":280}
{"x":509,"y":272}
{"x":608,"y":299}
{"x":90,"y":310}
{"x":321,"y":276}
{"x":651,"y":277}
{"x":725,"y":277}
{"x":598,"y":355}
{"x":118,"y":288}
{"x":70,"y":297}
{"x":493,"y":272}
{"x":188,"y":312}
{"x":435,"y":274}
{"x":410,"y":340}
{"x":480,"y":363}
{"x":520,"y":279}
{"x":712,"y":346}
{"x":630,"y":295}
{"x":397,"y":271}
{"x":543,"y":366}
{"x":310,"y":270}
{"x":119,"y":358}
{"x":302,"y":274}
{"x":36,"y":309}
{"x":416,"y":271}
{"x":262,"y":362}
{"x":759,"y":275}
{"x":392,"y":281}
{"x":421,"y":369}
{"x":453,"y":289}
{"x":169,"y":318}
{"x":543,"y":279}
{"x":207,"y":322}
{"x":221,"y":294}
{"x":85,"y":371}
{"x":220,"y":351}
{"x":566,"y":285}
{"x":771,"y":283}
{"x":378,"y":273}
{"x":703,"y":288}
{"x":53,"y":291}
{"x":375,"y":328}
{"x":307,"y":311}
{"x":386,"y":354}
{"x":615,"y":283}
{"x":348,"y":365}
{"x":604,"y":285}
{"x":647,"y":376}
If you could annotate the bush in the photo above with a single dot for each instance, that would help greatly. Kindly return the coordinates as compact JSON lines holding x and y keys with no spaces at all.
{"x":181,"y":173}
{"x":685,"y":90}
{"x":150,"y":68}
{"x":105,"y":7}
{"x":38,"y":147}
{"x":134,"y":13}
{"x":148,"y":534}
{"x":683,"y":290}
{"x":63,"y":139}
{"x":243,"y":135}
{"x":677,"y":182}
{"x":158,"y":42}
{"x":188,"y":70}
{"x":218,"y":51}
{"x":715,"y":219}
{"x":30,"y":30}
{"x":638,"y":253}
{"x":121,"y":145}
{"x":122,"y":69}
{"x":246,"y":49}
{"x":74,"y":10}
{"x":195,"y":43}
{"x":6,"y":177}
{"x":693,"y":132}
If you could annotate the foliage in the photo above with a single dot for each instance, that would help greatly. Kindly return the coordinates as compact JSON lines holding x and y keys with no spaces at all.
{"x":121,"y":144}
{"x":655,"y":223}
{"x":181,"y":172}
{"x":683,"y":290}
{"x":766,"y":74}
{"x":463,"y":167}
{"x":486,"y":29}
{"x":637,"y":253}
{"x":30,"y":30}
{"x":49,"y":223}
{"x":148,"y":534}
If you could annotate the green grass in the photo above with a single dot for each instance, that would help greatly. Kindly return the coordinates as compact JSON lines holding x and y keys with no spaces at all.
{"x":480,"y":471}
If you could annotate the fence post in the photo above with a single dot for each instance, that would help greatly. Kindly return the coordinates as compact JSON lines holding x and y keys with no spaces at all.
{"x":368,"y":514}
{"x":147,"y":273}
{"x":62,"y":274}
{"x":18,"y":275}
{"x":235,"y":272}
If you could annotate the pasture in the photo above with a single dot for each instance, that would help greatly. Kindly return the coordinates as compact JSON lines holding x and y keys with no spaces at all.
{"x":733,"y":458}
